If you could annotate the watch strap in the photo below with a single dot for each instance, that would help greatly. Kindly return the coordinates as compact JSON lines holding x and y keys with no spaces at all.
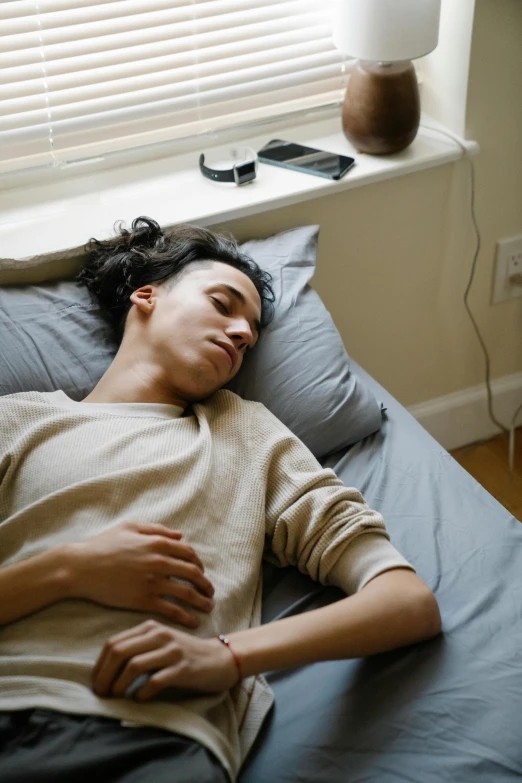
{"x":243,"y":168}
{"x":220,"y":175}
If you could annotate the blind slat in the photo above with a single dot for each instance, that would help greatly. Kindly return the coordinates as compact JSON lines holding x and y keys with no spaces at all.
{"x":182,"y":18}
{"x":123,"y":47}
{"x":13,"y":9}
{"x":203,"y":90}
{"x":25,"y":80}
{"x":253,"y":65}
{"x":138,"y":133}
{"x":110,"y":126}
{"x":84,"y":77}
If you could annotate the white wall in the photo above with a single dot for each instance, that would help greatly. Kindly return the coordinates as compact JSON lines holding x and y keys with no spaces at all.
{"x":445,"y":71}
{"x":395,"y":257}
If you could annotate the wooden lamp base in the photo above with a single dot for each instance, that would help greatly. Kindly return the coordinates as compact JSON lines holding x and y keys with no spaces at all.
{"x":381,"y":110}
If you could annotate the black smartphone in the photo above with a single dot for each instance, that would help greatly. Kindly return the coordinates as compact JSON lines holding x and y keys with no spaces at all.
{"x":307,"y":159}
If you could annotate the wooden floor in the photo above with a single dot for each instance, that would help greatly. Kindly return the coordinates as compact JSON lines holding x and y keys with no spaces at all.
{"x":488,"y":462}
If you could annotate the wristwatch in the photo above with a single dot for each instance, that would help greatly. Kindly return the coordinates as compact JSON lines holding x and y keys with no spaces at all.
{"x":242,"y":170}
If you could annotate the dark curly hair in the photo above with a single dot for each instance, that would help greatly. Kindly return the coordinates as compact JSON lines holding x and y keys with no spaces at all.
{"x":118,"y":266}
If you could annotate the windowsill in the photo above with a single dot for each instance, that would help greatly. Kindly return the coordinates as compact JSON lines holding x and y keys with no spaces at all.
{"x":49,"y":217}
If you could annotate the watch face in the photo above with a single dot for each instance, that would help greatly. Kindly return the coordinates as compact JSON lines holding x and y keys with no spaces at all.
{"x":245,"y":172}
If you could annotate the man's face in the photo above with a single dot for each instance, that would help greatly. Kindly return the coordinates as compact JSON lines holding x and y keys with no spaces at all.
{"x":182,"y":328}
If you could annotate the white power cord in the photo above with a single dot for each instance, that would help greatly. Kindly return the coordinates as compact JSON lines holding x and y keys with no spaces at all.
{"x":512,"y":441}
{"x":511,"y":430}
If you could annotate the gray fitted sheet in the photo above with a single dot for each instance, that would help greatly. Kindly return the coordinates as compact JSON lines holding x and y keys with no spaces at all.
{"x":449,"y":709}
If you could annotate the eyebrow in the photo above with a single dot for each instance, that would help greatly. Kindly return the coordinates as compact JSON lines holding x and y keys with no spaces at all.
{"x":240,"y":297}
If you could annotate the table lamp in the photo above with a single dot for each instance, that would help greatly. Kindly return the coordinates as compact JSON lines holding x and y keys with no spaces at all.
{"x":381,"y":109}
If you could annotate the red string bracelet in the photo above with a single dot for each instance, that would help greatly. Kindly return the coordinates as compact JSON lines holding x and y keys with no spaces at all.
{"x":226,"y":641}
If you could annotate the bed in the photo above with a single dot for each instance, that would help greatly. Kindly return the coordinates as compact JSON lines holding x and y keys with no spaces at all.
{"x":444,"y":710}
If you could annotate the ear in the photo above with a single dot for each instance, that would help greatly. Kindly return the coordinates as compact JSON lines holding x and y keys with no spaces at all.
{"x":144,"y":298}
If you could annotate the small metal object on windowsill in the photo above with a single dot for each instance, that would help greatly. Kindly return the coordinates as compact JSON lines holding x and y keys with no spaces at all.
{"x":241,"y":168}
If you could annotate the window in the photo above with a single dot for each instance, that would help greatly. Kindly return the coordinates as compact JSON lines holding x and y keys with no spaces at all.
{"x":87,"y":77}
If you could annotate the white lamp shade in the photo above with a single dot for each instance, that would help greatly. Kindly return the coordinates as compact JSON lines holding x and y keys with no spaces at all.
{"x":386,"y":30}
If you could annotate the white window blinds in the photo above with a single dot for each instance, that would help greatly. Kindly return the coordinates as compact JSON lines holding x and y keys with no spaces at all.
{"x":85,"y":77}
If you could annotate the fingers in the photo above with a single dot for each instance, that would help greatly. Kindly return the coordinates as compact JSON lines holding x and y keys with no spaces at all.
{"x":168,"y":542}
{"x":117,"y":650}
{"x":177,"y":549}
{"x":152,"y":528}
{"x":185,"y":592}
{"x":169,"y":588}
{"x":156,"y":683}
{"x":181,"y":551}
{"x":139,"y":665}
{"x":174,"y":612}
{"x":179,"y":569}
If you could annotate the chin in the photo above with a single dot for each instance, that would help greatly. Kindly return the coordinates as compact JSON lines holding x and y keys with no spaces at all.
{"x":200,"y":395}
{"x":204,"y":385}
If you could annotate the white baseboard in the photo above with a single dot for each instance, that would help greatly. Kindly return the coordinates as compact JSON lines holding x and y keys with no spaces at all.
{"x":461,"y":418}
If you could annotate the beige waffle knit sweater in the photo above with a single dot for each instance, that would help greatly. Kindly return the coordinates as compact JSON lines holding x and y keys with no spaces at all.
{"x":228,"y":474}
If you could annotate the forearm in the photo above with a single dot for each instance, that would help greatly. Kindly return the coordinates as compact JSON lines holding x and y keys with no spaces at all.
{"x":33,"y":584}
{"x":393,"y":610}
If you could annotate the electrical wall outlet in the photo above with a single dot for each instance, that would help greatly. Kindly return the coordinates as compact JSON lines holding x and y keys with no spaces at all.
{"x":507,"y":283}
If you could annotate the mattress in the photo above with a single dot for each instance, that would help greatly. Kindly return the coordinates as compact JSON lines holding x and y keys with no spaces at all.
{"x":449,"y":709}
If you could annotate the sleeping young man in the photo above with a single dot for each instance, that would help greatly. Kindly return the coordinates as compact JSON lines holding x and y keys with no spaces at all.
{"x":132,"y":532}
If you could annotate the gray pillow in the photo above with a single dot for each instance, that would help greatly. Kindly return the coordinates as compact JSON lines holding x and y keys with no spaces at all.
{"x":52,"y":336}
{"x":300,"y":369}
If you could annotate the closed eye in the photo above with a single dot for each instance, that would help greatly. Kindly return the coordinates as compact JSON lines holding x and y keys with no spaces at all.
{"x":221,"y":305}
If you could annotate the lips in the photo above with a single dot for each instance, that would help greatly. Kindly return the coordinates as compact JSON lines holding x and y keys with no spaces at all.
{"x":230,"y":351}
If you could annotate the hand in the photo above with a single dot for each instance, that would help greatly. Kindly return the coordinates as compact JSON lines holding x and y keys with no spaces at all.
{"x":132,"y":566}
{"x":175,"y":659}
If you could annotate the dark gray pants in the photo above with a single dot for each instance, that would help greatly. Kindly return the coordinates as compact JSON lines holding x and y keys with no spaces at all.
{"x":45,"y":746}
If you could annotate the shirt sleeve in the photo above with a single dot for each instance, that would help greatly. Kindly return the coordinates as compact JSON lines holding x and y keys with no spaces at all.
{"x":7,"y":432}
{"x":368,"y":556}
{"x":313,"y":521}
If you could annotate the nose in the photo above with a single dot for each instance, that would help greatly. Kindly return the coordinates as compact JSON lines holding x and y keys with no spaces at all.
{"x":241,"y":334}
